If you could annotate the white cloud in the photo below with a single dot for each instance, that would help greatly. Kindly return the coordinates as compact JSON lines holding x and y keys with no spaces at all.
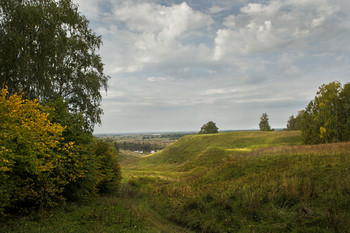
{"x":216,"y":9}
{"x":155,"y":33}
{"x":156,"y":79}
{"x":259,"y":10}
{"x":166,"y":22}
{"x":230,"y":21}
{"x":218,"y":91}
{"x":89,"y":8}
{"x":260,"y":27}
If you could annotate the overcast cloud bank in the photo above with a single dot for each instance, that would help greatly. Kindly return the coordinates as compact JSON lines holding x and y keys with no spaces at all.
{"x":176,"y":65}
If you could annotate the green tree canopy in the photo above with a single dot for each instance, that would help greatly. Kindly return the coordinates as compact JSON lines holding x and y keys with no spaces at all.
{"x":326,"y":118}
{"x":39,"y":167}
{"x":264,"y":123}
{"x":48,"y":51}
{"x":208,"y":128}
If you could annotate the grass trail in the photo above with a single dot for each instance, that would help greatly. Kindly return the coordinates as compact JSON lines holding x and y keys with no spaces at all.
{"x":107,"y":214}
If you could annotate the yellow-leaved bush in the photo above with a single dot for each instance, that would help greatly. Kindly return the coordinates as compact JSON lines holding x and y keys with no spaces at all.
{"x":35,"y":164}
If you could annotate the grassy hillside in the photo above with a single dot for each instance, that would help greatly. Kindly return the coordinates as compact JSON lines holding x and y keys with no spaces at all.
{"x":192,"y":148}
{"x":248,"y":182}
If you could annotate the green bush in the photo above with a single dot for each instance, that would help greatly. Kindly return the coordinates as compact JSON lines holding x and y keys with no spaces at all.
{"x":76,"y":130}
{"x":108,"y":171}
{"x":102,"y":172}
{"x":84,"y":187}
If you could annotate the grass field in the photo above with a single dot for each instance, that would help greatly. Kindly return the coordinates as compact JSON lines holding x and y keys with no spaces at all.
{"x":229,"y":182}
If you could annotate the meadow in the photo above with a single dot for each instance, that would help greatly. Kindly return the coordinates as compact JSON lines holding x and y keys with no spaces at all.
{"x":228,"y":182}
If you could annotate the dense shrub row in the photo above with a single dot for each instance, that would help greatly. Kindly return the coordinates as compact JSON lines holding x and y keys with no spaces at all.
{"x":47,"y":156}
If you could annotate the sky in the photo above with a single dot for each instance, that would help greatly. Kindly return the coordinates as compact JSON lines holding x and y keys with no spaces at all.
{"x":175,"y":65}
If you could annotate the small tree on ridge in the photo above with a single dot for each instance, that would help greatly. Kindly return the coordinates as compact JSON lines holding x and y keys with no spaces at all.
{"x":264,"y":123}
{"x":208,"y":128}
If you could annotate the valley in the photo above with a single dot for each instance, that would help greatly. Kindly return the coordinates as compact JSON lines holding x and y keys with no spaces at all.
{"x":249,"y":181}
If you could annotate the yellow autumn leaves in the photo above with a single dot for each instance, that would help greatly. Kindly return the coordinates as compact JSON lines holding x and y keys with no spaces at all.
{"x":33,"y":159}
{"x":41,"y":168}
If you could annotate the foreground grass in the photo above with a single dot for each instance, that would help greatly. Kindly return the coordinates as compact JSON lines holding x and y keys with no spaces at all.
{"x":105,"y":214}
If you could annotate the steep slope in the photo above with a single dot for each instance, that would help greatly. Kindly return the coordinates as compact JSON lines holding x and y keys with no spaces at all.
{"x":206,"y":150}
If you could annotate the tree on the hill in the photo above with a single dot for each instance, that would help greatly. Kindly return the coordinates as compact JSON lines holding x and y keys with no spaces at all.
{"x":48,"y":51}
{"x":326,"y":118}
{"x":208,"y":128}
{"x":264,"y":123}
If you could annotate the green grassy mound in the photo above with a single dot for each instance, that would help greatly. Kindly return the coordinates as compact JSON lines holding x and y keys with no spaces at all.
{"x":194,"y":151}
